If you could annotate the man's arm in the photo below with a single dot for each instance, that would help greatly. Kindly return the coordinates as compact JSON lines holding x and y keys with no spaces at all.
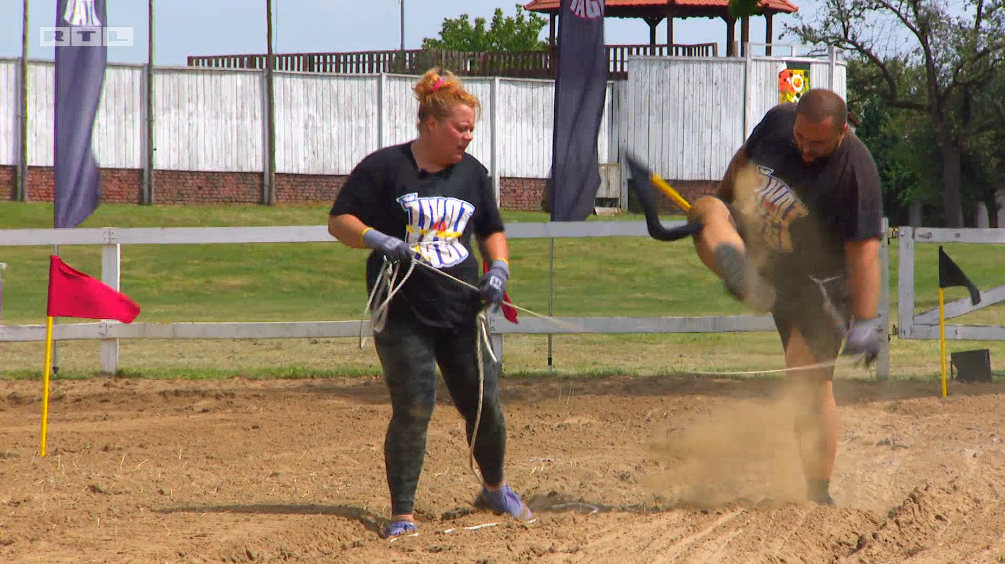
{"x":864,"y":277}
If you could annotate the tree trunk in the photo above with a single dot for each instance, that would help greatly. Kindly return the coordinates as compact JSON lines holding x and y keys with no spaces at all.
{"x":914,"y":214}
{"x":990,"y":201}
{"x":950,"y":179}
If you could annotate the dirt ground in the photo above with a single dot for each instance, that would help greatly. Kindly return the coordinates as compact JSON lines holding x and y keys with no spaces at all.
{"x":617,"y":470}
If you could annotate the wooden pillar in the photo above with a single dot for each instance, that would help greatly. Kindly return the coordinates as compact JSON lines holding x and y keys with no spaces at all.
{"x":744,"y":35}
{"x":551,"y":29}
{"x":670,"y":32}
{"x":730,"y":36}
{"x":768,"y":34}
{"x":653,"y":22}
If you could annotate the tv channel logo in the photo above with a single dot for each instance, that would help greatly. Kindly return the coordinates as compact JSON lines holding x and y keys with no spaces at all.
{"x":85,"y":36}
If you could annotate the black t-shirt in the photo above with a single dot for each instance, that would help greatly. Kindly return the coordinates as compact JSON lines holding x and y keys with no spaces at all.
{"x":802,"y":214}
{"x":436,"y":214}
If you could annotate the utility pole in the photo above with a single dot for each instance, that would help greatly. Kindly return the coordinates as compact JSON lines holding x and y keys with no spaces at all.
{"x":402,"y":4}
{"x":22,"y":173}
{"x":150,"y":105}
{"x":271,"y":101}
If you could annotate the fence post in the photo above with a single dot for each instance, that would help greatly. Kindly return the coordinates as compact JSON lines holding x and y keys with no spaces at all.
{"x":3,"y":266}
{"x":746,"y":91}
{"x":494,"y":132}
{"x":833,"y":67}
{"x":883,"y":362}
{"x":110,"y":264}
{"x":496,"y":338}
{"x":382,"y":137}
{"x":905,"y":282}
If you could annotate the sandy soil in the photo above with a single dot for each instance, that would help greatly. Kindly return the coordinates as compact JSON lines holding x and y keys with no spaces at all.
{"x":617,"y":470}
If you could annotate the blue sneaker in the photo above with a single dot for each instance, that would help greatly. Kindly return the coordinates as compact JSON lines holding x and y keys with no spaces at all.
{"x":505,"y":500}
{"x":395,"y":528}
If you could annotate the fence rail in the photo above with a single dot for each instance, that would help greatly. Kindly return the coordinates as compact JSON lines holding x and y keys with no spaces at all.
{"x":925,"y":325}
{"x":111,"y":239}
{"x":513,"y":64}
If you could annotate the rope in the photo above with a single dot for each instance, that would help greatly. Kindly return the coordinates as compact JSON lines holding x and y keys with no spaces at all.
{"x":385,"y":281}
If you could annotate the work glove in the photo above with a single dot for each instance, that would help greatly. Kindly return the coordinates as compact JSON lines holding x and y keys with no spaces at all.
{"x":863,"y":338}
{"x":492,"y":285}
{"x":393,"y":248}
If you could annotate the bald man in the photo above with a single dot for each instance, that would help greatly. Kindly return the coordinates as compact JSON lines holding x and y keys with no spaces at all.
{"x":795,"y":230}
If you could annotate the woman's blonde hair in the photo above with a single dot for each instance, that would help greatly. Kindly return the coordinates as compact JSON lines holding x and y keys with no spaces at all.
{"x":438,"y":92}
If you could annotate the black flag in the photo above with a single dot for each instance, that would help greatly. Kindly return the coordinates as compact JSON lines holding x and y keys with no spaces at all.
{"x":951,"y":275}
{"x":580,"y":94}
{"x":81,"y":58}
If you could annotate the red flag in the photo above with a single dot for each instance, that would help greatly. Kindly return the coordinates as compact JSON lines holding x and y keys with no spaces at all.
{"x":75,"y":294}
{"x":508,"y":311}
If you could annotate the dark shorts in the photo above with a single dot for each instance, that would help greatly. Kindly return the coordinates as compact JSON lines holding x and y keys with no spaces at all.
{"x":819,"y":309}
{"x":822,"y":319}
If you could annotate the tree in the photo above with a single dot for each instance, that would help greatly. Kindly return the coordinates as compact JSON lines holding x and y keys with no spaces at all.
{"x":958,"y":46}
{"x":519,"y":33}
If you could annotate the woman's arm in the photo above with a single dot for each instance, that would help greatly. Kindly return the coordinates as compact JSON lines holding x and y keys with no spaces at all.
{"x":495,"y":247}
{"x":348,"y":229}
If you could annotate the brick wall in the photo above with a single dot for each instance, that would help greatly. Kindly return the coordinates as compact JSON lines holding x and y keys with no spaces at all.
{"x":307,"y":187}
{"x":522,"y":194}
{"x":690,"y":190}
{"x":186,"y":187}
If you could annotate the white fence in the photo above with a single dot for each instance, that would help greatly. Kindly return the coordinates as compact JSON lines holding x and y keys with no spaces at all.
{"x":925,"y":325}
{"x":685,"y":115}
{"x":111,"y":239}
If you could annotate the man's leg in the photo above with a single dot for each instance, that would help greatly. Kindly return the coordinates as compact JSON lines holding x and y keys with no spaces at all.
{"x":458,"y":361}
{"x":722,"y":250}
{"x":407,"y":355}
{"x":816,"y":420}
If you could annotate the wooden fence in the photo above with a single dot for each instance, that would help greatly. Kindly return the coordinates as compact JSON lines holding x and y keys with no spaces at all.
{"x":513,"y":64}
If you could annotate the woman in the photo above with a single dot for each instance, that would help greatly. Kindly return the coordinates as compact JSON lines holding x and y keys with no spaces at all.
{"x":423,"y":200}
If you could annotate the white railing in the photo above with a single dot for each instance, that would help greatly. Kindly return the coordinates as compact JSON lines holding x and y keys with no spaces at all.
{"x":110,"y":332}
{"x":925,"y":326}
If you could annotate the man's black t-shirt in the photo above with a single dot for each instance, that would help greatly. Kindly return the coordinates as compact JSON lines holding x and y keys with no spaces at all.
{"x":436,"y":214}
{"x":802,"y":213}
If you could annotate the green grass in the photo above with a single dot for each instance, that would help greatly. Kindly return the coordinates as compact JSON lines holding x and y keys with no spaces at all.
{"x":617,"y":276}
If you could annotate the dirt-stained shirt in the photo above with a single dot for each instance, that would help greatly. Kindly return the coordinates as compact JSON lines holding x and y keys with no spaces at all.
{"x":801,"y":213}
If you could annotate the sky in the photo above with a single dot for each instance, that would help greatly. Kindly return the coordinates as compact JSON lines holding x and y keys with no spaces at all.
{"x":218,"y":27}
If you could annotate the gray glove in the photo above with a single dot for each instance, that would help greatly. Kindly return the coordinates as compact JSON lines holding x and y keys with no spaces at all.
{"x":493,"y":283}
{"x":863,"y":338}
{"x":393,"y":248}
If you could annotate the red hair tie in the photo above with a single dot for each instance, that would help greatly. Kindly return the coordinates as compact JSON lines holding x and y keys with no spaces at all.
{"x":438,"y":84}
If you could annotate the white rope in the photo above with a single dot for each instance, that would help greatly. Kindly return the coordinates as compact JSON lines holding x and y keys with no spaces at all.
{"x":386,"y":279}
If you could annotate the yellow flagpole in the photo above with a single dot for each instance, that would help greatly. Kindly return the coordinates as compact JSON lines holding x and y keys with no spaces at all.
{"x":45,"y":380}
{"x":669,"y":191}
{"x":942,"y":338}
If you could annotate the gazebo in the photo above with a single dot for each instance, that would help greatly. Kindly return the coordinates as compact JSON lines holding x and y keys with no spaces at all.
{"x":655,"y":11}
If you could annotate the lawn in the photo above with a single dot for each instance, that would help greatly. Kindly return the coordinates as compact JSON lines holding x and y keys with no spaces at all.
{"x":618,"y":276}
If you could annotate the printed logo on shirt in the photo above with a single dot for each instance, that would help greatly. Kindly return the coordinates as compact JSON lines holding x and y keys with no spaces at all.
{"x":774,"y":209}
{"x":435,"y":225}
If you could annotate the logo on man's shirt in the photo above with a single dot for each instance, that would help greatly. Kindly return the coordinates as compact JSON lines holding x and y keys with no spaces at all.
{"x":435,"y":225}
{"x":775,"y":208}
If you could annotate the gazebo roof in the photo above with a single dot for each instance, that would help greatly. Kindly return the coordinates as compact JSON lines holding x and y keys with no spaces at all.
{"x":680,"y":8}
